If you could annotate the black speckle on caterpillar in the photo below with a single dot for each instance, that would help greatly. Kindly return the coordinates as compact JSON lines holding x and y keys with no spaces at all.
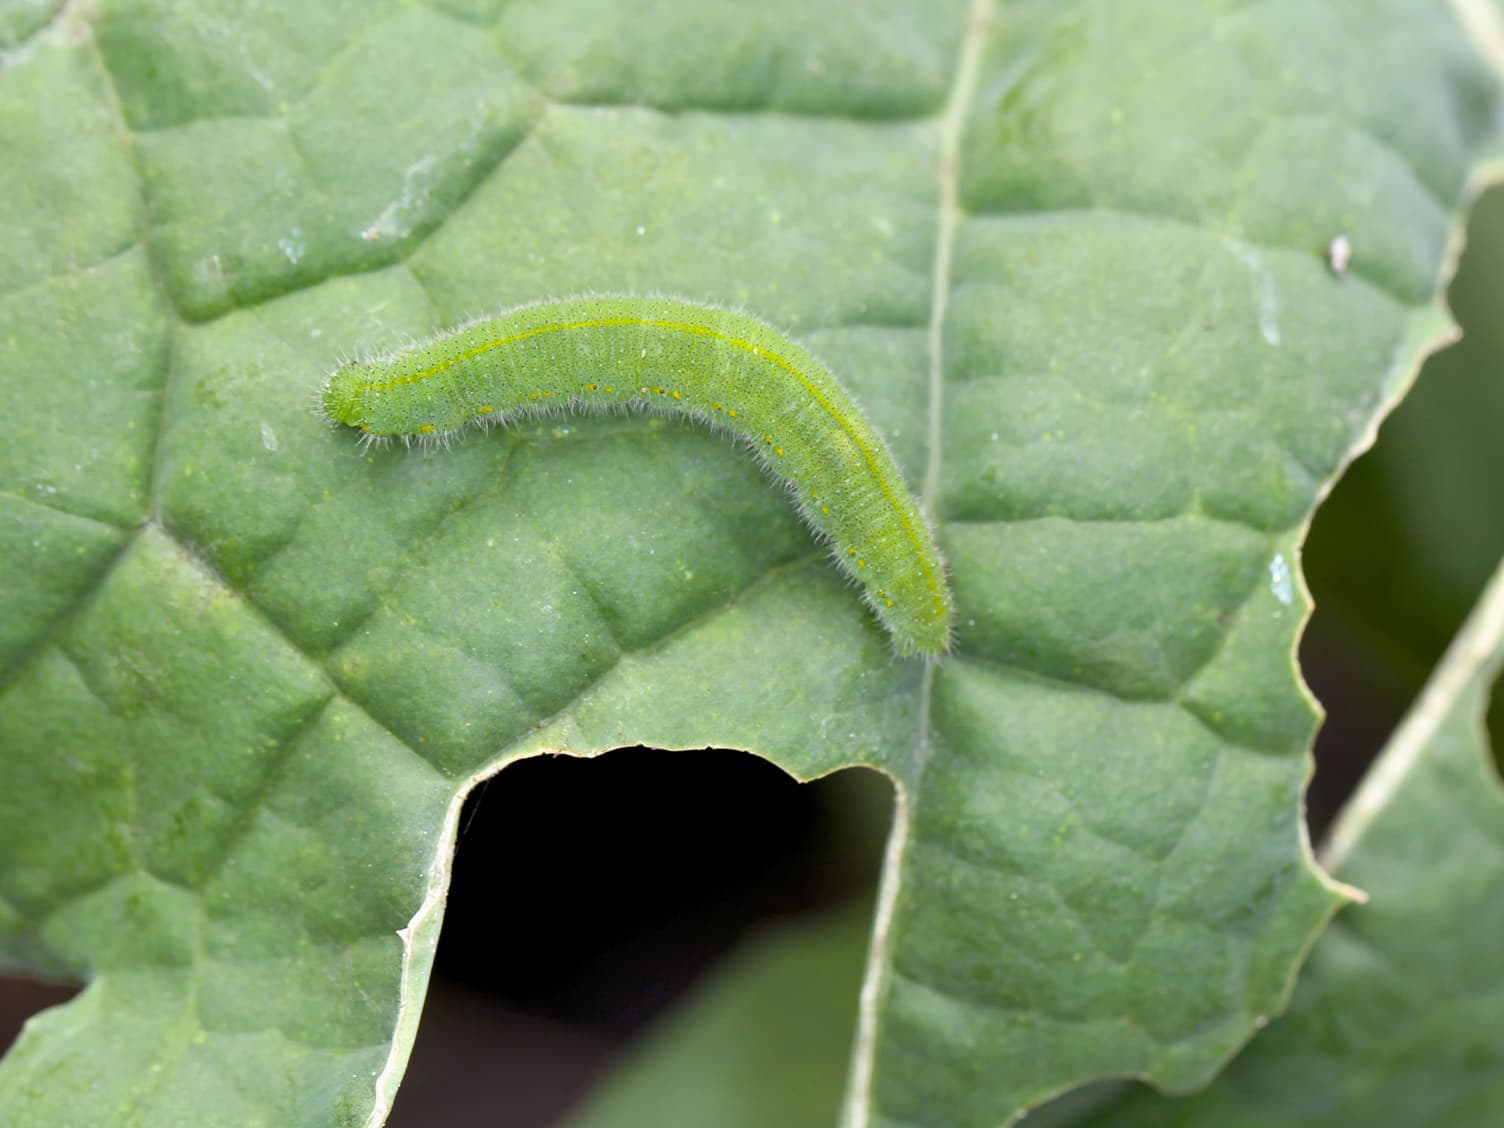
{"x":715,"y":365}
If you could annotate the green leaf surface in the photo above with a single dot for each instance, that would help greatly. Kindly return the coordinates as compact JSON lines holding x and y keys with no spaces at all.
{"x":1071,"y":257}
{"x":1396,"y":1019}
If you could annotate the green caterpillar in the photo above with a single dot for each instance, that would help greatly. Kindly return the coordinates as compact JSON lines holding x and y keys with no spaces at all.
{"x":723,"y":368}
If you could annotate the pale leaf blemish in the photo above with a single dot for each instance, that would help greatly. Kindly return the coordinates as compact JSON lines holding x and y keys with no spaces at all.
{"x":209,"y":271}
{"x":1280,"y":582}
{"x":292,"y":246}
{"x":394,"y":222}
{"x":262,"y":78}
{"x":269,"y":438}
{"x":1264,"y":292}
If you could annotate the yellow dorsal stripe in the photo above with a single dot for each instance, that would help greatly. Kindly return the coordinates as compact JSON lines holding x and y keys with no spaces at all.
{"x":932,"y":581}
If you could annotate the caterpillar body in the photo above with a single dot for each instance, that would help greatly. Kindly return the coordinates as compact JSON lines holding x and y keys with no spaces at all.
{"x":716,"y":365}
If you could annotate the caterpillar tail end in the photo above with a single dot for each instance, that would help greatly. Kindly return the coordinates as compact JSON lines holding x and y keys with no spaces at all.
{"x":929,"y":643}
{"x":927,"y":636}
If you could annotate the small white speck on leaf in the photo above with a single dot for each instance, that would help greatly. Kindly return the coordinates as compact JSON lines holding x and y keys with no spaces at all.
{"x":291,"y":246}
{"x":1339,"y":255}
{"x":1280,"y":582}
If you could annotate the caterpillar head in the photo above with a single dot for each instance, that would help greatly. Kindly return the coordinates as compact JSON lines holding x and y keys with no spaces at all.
{"x":341,"y":400}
